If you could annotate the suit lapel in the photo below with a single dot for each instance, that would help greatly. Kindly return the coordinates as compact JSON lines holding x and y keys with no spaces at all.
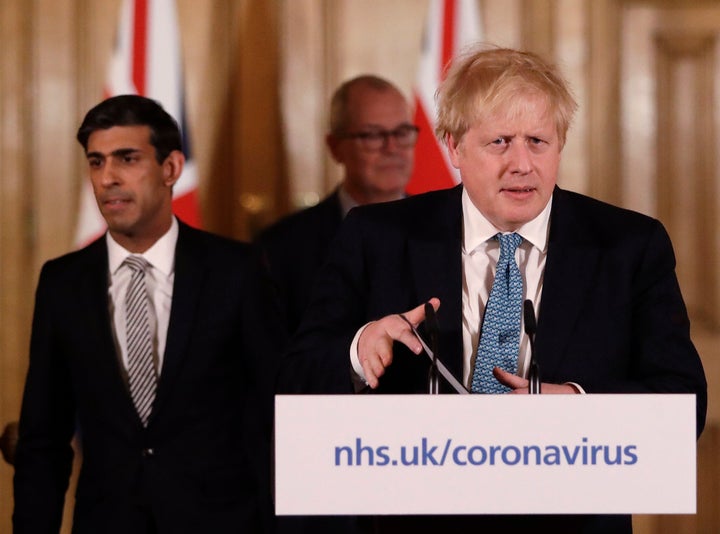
{"x":187,"y":288}
{"x":568,"y":279}
{"x":106,"y":367}
{"x":436,"y":270}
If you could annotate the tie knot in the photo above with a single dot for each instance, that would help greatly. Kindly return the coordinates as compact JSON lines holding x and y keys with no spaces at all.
{"x":509,"y":243}
{"x":136,"y":263}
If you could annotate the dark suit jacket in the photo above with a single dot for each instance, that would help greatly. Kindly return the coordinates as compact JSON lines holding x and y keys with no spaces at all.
{"x":202,"y":463}
{"x":294,"y":249}
{"x":611,"y":319}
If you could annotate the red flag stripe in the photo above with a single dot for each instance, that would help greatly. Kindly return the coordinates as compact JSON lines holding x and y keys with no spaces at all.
{"x":187,"y":208}
{"x":450,"y":25}
{"x":430,"y":171}
{"x":448,"y":35}
{"x":140,"y":45}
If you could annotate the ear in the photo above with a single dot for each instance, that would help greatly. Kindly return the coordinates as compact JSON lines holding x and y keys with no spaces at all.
{"x":173,"y":167}
{"x":454,"y":150}
{"x":333,"y":144}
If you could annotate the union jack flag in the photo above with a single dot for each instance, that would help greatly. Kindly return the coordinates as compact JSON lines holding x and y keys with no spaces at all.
{"x":450,"y":25}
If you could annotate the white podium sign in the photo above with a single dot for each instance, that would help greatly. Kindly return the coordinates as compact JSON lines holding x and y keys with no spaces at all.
{"x":485,"y":454}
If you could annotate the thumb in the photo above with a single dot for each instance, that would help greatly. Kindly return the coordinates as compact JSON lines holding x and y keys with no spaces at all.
{"x":417,"y":315}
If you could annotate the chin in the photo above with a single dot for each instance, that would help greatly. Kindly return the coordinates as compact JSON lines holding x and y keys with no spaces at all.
{"x":120,"y":228}
{"x":392,"y":185}
{"x":518,"y":221}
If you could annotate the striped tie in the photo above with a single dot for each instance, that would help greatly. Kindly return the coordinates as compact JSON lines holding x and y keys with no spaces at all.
{"x":141,"y":369}
{"x":500,"y":337}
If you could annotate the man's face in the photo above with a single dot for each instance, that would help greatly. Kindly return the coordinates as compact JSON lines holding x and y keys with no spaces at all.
{"x":509,"y":164}
{"x":383,"y":173}
{"x":133,"y":190}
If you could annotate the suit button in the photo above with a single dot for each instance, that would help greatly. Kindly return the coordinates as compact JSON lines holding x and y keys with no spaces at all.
{"x":148,"y":452}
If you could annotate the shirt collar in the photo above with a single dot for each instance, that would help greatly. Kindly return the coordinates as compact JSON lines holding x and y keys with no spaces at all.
{"x":346,"y":201}
{"x":477,"y":229}
{"x":161,"y":255}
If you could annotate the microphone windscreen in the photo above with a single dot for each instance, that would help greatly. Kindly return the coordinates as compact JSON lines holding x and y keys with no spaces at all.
{"x":529,"y":310}
{"x":430,"y":314}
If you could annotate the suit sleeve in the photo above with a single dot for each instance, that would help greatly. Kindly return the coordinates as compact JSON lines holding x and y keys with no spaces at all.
{"x":661,"y":355}
{"x":44,"y":453}
{"x":667,"y":359}
{"x":318,"y":357}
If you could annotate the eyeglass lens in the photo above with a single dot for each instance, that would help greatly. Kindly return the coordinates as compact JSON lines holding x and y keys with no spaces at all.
{"x":404,"y":136}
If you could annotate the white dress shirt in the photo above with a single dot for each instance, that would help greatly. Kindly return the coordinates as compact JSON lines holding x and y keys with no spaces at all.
{"x":346,"y":201}
{"x":159,"y":280}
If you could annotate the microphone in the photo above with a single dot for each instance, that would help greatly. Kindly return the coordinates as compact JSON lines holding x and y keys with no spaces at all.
{"x":530,"y":328}
{"x":432,"y":327}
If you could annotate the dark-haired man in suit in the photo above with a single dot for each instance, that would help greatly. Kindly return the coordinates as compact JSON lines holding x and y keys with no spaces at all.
{"x":154,"y":343}
{"x":610,"y":315}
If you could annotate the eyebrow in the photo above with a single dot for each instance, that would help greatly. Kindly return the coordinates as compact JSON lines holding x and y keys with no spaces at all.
{"x":117,"y":152}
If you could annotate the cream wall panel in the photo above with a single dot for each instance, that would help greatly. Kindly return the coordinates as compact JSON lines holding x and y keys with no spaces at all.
{"x":502,"y":22}
{"x":53,"y":115}
{"x":639,"y":191}
{"x":571,"y":55}
{"x":206,"y":44}
{"x":603,"y":101}
{"x":538,"y":26}
{"x":685,"y":154}
{"x":303,"y":97}
{"x":257,"y":144}
{"x":15,"y":226}
{"x":669,"y":89}
{"x":379,"y":37}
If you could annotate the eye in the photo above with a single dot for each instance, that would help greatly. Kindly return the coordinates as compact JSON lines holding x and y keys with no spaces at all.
{"x":370,"y":136}
{"x":536,"y":141}
{"x":94,"y":163}
{"x":405,"y":135}
{"x":404,"y":131}
{"x":499,"y":141}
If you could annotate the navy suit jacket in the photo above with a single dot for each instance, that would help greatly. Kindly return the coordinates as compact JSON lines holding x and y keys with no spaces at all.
{"x":202,"y":464}
{"x":611,"y":318}
{"x":294,"y":249}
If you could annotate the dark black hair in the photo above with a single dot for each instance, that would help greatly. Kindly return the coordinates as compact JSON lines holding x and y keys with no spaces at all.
{"x":134,"y":110}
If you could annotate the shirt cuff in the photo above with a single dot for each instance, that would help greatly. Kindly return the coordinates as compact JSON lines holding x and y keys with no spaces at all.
{"x":358,"y":375}
{"x":576,"y":387}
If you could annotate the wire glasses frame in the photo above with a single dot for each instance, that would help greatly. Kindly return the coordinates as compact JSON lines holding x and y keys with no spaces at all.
{"x":405,"y":136}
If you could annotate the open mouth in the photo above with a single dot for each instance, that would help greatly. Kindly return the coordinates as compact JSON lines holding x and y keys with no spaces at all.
{"x":518,"y":189}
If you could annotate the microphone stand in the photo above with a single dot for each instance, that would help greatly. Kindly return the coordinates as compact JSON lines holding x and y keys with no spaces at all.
{"x":432,"y":328}
{"x":530,"y":328}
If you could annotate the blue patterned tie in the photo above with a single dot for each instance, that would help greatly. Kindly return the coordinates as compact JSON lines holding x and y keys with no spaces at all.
{"x":500,"y":336}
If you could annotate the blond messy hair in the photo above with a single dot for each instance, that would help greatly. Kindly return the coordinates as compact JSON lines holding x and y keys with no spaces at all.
{"x":482,"y":81}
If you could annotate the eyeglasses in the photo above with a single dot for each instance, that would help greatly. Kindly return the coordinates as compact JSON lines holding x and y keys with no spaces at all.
{"x":405,"y":136}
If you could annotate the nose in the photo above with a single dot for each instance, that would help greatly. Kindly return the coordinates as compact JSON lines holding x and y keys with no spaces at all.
{"x":392,"y":145}
{"x":520,"y":158}
{"x":107,"y":174}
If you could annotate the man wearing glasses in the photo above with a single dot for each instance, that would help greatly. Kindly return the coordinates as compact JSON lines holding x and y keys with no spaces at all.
{"x":372,"y":136}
